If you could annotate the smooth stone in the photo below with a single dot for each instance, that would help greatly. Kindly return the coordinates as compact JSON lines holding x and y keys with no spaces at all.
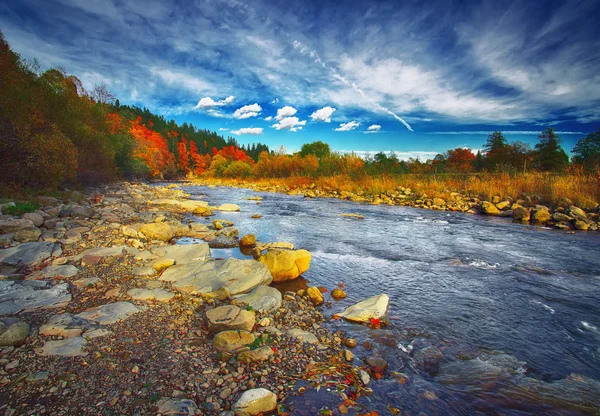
{"x":15,"y":334}
{"x":489,"y":208}
{"x":14,"y":225}
{"x":184,"y":253}
{"x":85,"y":282}
{"x":185,"y":205}
{"x":179,"y":407}
{"x":355,"y":216}
{"x":96,"y":333}
{"x":228,"y":207}
{"x":257,"y":355}
{"x":37,"y":376}
{"x":158,"y":294}
{"x":255,"y":401}
{"x":56,"y":271}
{"x":249,"y":240}
{"x":109,"y":313}
{"x":315,"y":295}
{"x":338,"y":294}
{"x":229,"y":317}
{"x":68,"y":347}
{"x":158,"y":231}
{"x":27,"y":234}
{"x":262,"y":299}
{"x":373,"y":307}
{"x":301,"y":335}
{"x":144,"y":271}
{"x":34,"y":217}
{"x":162,"y":263}
{"x":227,"y":341}
{"x":236,"y":276}
{"x":286,"y":265}
{"x":102,"y":252}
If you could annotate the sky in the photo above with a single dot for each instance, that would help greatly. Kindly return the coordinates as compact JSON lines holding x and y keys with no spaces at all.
{"x":414,"y":77}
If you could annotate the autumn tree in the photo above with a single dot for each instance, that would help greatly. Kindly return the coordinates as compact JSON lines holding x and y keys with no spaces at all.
{"x":460,"y":160}
{"x":319,"y":149}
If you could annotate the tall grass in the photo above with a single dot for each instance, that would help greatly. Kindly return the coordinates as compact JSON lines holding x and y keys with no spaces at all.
{"x":580,"y":188}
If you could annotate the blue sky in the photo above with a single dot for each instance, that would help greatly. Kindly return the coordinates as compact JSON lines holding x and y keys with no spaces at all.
{"x":410,"y":76}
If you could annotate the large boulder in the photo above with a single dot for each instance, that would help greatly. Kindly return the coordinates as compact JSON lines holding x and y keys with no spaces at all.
{"x":374,"y":307}
{"x":14,"y":225}
{"x":235,"y":276}
{"x":184,"y":253}
{"x":541,"y":215}
{"x":227,"y":341}
{"x":229,"y":317}
{"x":286,"y":265}
{"x":315,"y":295}
{"x":261,"y":299}
{"x":34,"y":217}
{"x":68,"y":347}
{"x":577,"y":212}
{"x":520,"y":213}
{"x":254,"y":402}
{"x":158,"y":231}
{"x":27,"y":234}
{"x":30,"y":295}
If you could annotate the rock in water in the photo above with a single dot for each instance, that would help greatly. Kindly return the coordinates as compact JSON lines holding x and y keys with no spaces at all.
{"x":228,"y":207}
{"x":248,"y":241}
{"x":229,"y":318}
{"x":373,"y":307}
{"x":521,"y":214}
{"x":255,"y":401}
{"x":286,"y":265}
{"x":338,"y":294}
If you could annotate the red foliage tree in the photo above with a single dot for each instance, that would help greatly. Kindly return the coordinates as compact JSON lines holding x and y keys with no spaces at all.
{"x":183,"y":162}
{"x":151,"y":147}
{"x":460,"y":159}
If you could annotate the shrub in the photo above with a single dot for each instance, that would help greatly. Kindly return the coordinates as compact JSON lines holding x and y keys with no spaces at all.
{"x":19,"y":208}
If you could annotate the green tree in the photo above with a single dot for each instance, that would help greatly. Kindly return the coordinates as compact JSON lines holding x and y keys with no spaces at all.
{"x":587,"y":152}
{"x":319,"y":149}
{"x":496,"y":148}
{"x":549,"y":156}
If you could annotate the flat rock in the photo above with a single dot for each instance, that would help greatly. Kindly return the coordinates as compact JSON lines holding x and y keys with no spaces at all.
{"x":83,"y":283}
{"x":184,"y":253}
{"x":27,"y":234}
{"x":158,"y":231}
{"x":28,"y":253}
{"x":27,"y":296}
{"x":180,"y":407}
{"x":373,"y":307}
{"x":96,"y":333}
{"x":102,"y":252}
{"x":228,"y":207}
{"x":187,"y":205}
{"x":158,"y":294}
{"x":229,"y":317}
{"x":144,"y":271}
{"x":68,"y":347}
{"x":51,"y":272}
{"x":14,"y":225}
{"x":63,"y":325}
{"x":301,"y":335}
{"x":162,"y":263}
{"x":109,"y":313}
{"x":262,"y":299}
{"x":236,"y":276}
{"x":255,"y":401}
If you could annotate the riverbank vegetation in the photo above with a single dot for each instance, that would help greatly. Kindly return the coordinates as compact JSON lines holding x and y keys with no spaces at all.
{"x":56,"y":133}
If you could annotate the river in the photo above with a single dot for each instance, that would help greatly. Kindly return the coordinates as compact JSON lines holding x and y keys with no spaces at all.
{"x":468,"y":285}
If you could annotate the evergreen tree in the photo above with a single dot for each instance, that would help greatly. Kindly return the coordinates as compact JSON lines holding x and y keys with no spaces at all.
{"x":587,"y":152}
{"x":549,"y":155}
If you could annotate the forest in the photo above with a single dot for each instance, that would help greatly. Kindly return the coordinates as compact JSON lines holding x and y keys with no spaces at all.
{"x":55,"y":133}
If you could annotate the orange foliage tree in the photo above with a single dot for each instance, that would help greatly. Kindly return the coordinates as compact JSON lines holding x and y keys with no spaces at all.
{"x":460,"y":160}
{"x":152,"y":148}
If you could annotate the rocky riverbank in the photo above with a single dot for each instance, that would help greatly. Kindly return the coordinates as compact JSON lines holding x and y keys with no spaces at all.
{"x":101,"y":314}
{"x":525,"y":210}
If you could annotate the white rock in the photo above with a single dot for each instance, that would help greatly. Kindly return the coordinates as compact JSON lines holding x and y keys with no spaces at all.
{"x":160,"y":295}
{"x":228,"y":207}
{"x":255,"y":401}
{"x":109,"y":313}
{"x":262,"y":299}
{"x":373,"y":307}
{"x":68,"y":347}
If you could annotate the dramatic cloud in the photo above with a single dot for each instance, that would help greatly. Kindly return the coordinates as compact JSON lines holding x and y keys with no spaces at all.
{"x":284,"y":112}
{"x":254,"y":131}
{"x":290,"y":123}
{"x":182,"y":79}
{"x":323,"y":114}
{"x":351,"y":125}
{"x":247,"y":111}
{"x":208,"y":102}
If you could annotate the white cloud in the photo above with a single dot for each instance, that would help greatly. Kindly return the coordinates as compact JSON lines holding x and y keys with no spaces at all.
{"x":268,"y":118}
{"x":374,"y":127}
{"x":254,"y":131}
{"x":284,"y":112}
{"x":208,"y":102}
{"x":351,"y":125}
{"x":290,"y":123}
{"x":422,"y":155}
{"x":223,"y":129}
{"x":216,"y":113}
{"x":323,"y":114}
{"x":179,"y":78}
{"x":247,"y":111}
{"x":505,"y":132}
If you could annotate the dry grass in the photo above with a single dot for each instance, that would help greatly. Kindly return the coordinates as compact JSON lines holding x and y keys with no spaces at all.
{"x":548,"y":188}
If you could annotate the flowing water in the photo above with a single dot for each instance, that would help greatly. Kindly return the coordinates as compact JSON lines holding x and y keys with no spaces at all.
{"x":469,"y":285}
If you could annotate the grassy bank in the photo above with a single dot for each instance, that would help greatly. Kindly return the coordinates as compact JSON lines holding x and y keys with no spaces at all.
{"x":552,"y":189}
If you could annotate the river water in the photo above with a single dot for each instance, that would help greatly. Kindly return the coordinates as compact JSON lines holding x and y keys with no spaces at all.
{"x":469,"y":285}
